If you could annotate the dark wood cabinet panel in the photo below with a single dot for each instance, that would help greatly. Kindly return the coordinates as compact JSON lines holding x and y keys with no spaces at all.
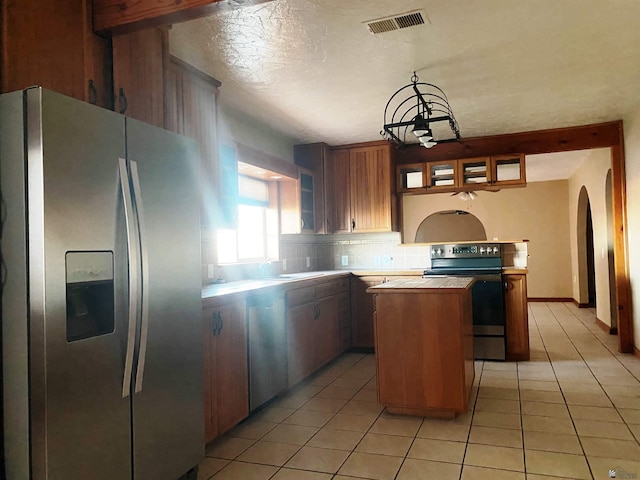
{"x":300,"y":341}
{"x":337,"y":192}
{"x":227,"y":385}
{"x":52,"y":44}
{"x":517,"y":317}
{"x":138,"y":74}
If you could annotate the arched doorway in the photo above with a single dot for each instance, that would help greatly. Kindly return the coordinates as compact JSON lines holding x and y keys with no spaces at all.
{"x":610,"y":255}
{"x":586,"y":264}
{"x":450,"y":226}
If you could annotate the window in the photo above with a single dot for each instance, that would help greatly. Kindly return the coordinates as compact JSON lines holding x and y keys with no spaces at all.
{"x":256,"y":235}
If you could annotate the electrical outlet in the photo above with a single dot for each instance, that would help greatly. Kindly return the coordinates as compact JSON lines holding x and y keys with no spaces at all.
{"x":308,"y":262}
{"x":210,"y":270}
{"x":284,"y":264}
{"x":345,"y":260}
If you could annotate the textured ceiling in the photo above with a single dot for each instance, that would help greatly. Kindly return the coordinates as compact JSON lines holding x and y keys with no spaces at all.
{"x":311,"y":70}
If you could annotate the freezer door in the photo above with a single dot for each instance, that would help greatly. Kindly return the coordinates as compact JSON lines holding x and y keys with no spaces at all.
{"x":168,"y":413}
{"x":78,"y":284}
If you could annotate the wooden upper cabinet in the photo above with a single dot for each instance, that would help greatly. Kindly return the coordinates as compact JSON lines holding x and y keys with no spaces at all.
{"x":138,"y":74}
{"x":52,"y":44}
{"x":508,"y":170}
{"x":337,"y":192}
{"x":360,"y":189}
{"x":474,"y":172}
{"x":312,"y":157}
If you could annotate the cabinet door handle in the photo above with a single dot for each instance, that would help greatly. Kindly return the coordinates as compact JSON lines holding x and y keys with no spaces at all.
{"x":221,"y":323}
{"x":122,"y":101}
{"x":93,"y":93}
{"x":214,"y":322}
{"x":353,"y":224}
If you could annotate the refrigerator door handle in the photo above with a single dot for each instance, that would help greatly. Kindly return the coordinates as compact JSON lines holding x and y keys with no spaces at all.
{"x":144,"y":326}
{"x":132,"y":247}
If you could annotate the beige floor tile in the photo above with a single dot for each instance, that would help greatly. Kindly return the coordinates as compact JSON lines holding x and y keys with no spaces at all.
{"x":365,"y":395}
{"x":631,"y":415}
{"x":535,"y":423}
{"x":308,"y":418}
{"x":437,"y":450}
{"x":396,"y":426}
{"x":542,"y":385}
{"x":635,"y":429}
{"x":209,"y":466}
{"x":273,"y":414}
{"x":552,"y":442}
{"x":318,"y":459}
{"x":498,"y":420}
{"x":469,"y":472}
{"x":357,"y":423}
{"x":384,"y":444}
{"x":371,"y":385}
{"x":499,"y":393}
{"x":290,"y":474}
{"x":443,"y":430}
{"x":541,"y":396}
{"x":497,"y":405}
{"x":349,"y":382}
{"x":600,"y":467}
{"x":581,"y":387}
{"x":535,"y":476}
{"x":502,"y":437}
{"x":291,"y":401}
{"x":269,"y":453}
{"x":338,"y":393}
{"x":252,"y":429}
{"x":511,"y":383}
{"x":414,"y":469}
{"x":508,"y":374}
{"x":617,"y":380}
{"x":557,"y":464}
{"x":324,"y":404}
{"x":624,"y":401}
{"x":603,"y":414}
{"x":588,"y":399}
{"x":228,"y":447}
{"x":545,"y":409}
{"x":357,"y":407}
{"x":306,"y":390}
{"x":366,"y":465}
{"x":503,"y":458}
{"x":503,"y":366}
{"x":608,"y":447}
{"x":245,"y":471}
{"x":321,"y":380}
{"x":292,"y":434}
{"x":623,"y":390}
{"x":593,"y":428}
{"x":336,"y":439}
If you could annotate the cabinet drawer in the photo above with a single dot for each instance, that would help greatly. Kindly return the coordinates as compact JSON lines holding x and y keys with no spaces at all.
{"x":301,"y":295}
{"x":332,"y":287}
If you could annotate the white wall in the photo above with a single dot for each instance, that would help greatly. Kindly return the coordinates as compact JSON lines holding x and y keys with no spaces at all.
{"x":539,"y":212}
{"x":592,"y":174}
{"x":632,"y":164}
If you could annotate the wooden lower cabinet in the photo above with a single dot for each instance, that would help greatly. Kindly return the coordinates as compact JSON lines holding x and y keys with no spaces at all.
{"x":517,"y":317}
{"x":226,"y":381}
{"x":424,"y":352}
{"x":362,"y":309}
{"x":315,"y":322}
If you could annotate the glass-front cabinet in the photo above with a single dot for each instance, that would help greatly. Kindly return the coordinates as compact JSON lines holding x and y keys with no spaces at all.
{"x":508,"y":170}
{"x":441,"y":176}
{"x":412,"y":178}
{"x":474,"y":172}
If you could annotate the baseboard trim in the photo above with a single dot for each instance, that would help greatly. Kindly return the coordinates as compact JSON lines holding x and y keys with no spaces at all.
{"x":636,"y":352}
{"x":550,"y":299}
{"x":606,"y":328}
{"x":578,"y":304}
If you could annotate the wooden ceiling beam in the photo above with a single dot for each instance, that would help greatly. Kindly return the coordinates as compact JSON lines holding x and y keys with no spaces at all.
{"x":585,"y":137}
{"x":123,"y":16}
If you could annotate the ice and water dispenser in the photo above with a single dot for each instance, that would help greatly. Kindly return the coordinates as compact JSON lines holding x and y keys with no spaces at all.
{"x":90,"y":294}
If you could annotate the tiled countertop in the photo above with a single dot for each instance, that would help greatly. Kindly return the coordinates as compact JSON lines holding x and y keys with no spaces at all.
{"x":422,"y":285}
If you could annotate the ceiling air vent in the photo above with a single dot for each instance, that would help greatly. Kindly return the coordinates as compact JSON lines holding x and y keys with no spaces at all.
{"x":396,"y":22}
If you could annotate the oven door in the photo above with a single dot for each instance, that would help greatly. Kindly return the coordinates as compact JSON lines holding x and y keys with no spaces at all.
{"x":488,"y":310}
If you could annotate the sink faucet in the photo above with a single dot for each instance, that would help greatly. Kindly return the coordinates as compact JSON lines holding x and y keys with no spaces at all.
{"x":265,"y":269}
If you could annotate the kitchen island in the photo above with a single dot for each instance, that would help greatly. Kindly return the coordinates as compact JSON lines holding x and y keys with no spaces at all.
{"x":423,"y":330}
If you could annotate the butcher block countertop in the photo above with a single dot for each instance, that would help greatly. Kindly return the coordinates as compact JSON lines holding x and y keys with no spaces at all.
{"x":423,"y":285}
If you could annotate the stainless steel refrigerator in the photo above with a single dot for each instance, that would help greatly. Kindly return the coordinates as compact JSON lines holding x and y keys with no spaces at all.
{"x":102,"y":353}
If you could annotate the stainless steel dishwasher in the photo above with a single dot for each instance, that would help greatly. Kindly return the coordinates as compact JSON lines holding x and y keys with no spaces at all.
{"x":267,"y":347}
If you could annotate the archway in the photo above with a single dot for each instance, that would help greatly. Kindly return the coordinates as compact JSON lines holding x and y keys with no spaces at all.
{"x":610,"y":254}
{"x":586,"y":264}
{"x":450,"y":226}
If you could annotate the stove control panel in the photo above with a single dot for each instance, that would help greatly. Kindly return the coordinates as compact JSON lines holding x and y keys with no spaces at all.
{"x":466,"y":250}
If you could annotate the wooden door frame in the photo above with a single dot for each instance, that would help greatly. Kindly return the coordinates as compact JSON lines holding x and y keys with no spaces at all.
{"x":601,"y":135}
